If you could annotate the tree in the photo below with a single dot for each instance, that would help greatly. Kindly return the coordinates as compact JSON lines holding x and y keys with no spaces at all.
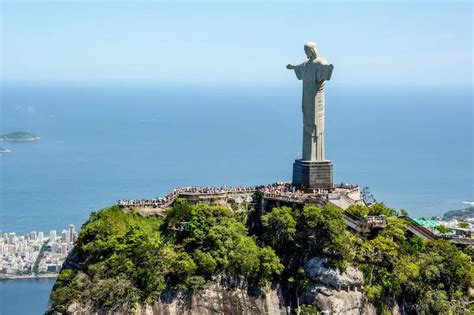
{"x":280,"y":227}
{"x":270,"y":265}
{"x":463,"y":225}
{"x":218,"y":243}
{"x":367,"y":196}
{"x":183,"y":266}
{"x":205,"y":262}
{"x":379,"y":208}
{"x":322,"y":231}
{"x":359,"y":211}
{"x":443,"y":229}
{"x":395,"y":230}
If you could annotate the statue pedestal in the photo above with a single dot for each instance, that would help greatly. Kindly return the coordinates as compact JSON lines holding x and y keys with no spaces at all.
{"x":311,"y":174}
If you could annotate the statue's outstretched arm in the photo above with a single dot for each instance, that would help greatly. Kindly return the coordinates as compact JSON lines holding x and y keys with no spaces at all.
{"x":290,"y":66}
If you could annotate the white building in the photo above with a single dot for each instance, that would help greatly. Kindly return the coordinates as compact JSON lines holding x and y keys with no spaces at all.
{"x":72,"y":231}
{"x":54,"y":247}
{"x":40,"y":237}
{"x":63,"y":248}
{"x":12,"y":238}
{"x":52,"y":236}
{"x":65,"y":236}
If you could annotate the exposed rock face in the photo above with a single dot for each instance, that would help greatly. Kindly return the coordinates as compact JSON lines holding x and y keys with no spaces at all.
{"x":333,"y":278}
{"x":218,"y":300}
{"x":338,"y":302}
{"x":214,"y":300}
{"x":342,"y":302}
{"x":334,"y":291}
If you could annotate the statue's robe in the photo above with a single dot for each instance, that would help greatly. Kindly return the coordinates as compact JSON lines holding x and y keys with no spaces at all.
{"x":313,"y":73}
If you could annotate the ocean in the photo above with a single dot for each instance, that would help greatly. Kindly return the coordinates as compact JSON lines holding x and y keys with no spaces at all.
{"x":413,"y":147}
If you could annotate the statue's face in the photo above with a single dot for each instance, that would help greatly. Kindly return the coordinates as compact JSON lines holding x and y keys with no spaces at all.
{"x":308,"y":52}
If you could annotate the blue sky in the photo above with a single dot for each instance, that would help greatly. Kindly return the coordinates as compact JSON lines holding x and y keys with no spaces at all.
{"x":369,"y":43}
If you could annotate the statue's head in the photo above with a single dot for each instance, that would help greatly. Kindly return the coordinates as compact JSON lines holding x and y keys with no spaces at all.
{"x":311,"y":50}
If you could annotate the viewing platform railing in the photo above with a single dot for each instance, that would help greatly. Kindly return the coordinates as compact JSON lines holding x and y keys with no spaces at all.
{"x":168,"y":201}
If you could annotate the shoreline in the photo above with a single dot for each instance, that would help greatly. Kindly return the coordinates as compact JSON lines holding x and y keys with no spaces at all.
{"x":19,"y":140}
{"x":27,"y":277}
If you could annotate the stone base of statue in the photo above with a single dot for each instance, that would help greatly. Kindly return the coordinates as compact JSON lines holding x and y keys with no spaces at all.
{"x":309,"y":174}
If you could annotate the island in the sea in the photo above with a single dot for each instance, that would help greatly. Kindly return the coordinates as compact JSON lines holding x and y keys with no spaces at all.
{"x":19,"y":136}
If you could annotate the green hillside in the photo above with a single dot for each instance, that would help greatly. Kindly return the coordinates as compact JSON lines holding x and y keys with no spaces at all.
{"x":122,"y":258}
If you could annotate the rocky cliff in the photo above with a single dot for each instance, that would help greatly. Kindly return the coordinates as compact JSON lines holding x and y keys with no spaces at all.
{"x":216,"y":299}
{"x":331,"y":290}
{"x":335,"y":291}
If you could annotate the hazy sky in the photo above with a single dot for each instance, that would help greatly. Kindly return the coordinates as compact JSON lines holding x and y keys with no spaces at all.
{"x":412,"y":43}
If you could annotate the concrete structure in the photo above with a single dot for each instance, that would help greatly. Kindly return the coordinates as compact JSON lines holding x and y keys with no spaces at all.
{"x":313,"y":170}
{"x":257,"y":197}
{"x":313,"y":174}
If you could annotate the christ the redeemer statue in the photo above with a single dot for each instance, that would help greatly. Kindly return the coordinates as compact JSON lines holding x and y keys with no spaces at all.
{"x":313,"y":72}
{"x":313,"y":170}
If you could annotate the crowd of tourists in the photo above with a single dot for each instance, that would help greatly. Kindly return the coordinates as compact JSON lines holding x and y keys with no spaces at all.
{"x":347,"y":185}
{"x":215,"y":190}
{"x":280,"y":190}
{"x":155,"y":203}
{"x":289,"y":192}
{"x":170,"y":197}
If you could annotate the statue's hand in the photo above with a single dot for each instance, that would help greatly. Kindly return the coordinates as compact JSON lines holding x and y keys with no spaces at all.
{"x":289,"y":66}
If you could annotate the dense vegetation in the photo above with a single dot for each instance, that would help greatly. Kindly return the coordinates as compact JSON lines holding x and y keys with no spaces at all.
{"x":123,"y":258}
{"x":432,"y":276}
{"x":38,"y":259}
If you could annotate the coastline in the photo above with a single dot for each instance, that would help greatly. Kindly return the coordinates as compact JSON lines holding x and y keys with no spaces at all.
{"x":26,"y":277}
{"x":19,"y":140}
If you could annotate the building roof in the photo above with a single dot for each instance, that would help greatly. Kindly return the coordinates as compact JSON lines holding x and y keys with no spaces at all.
{"x":426,"y":223}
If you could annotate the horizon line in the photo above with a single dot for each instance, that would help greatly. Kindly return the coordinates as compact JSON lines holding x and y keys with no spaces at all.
{"x":218,"y":83}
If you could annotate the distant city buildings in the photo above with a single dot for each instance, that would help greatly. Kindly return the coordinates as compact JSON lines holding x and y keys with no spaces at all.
{"x":452,"y":228}
{"x":33,"y":253}
{"x":52,"y":236}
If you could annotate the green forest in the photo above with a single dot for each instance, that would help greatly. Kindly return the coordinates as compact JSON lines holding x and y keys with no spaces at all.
{"x":122,"y":258}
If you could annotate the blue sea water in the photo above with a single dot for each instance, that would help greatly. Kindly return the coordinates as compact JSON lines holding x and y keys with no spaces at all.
{"x":412,"y":146}
{"x":24,"y":297}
